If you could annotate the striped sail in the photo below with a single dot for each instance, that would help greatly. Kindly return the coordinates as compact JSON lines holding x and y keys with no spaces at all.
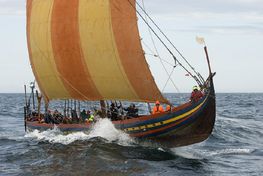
{"x":88,"y":50}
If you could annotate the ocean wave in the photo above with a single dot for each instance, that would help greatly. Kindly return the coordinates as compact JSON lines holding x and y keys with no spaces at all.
{"x":11,"y":135}
{"x":187,"y":153}
{"x":238,"y":151}
{"x":6,"y":141}
{"x":192,"y":153}
{"x":101,"y":129}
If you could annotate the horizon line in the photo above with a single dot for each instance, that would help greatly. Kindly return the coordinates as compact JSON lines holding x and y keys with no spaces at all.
{"x":163,"y":93}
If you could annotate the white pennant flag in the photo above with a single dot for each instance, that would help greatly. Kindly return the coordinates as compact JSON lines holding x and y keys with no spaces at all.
{"x":200,"y":40}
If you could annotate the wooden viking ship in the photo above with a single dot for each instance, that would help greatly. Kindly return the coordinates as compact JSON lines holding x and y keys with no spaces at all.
{"x":91,"y":51}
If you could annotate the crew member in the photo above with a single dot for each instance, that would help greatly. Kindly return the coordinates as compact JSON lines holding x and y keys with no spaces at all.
{"x":168,"y":108}
{"x":157,"y":108}
{"x":114,"y":112}
{"x":132,"y":111}
{"x":91,"y":118}
{"x":196,"y":94}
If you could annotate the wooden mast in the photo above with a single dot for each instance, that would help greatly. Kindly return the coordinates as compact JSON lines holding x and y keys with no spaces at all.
{"x":103,"y":108}
{"x":39,"y":97}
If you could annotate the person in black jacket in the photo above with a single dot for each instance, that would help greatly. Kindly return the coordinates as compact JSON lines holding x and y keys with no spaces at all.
{"x":132,"y":111}
{"x":113,"y":112}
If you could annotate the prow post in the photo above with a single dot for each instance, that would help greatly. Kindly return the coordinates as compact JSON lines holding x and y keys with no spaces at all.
{"x":201,"y":41}
{"x":208,"y":60}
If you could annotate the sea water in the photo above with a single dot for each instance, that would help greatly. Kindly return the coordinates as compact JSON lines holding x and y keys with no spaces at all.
{"x":234,"y":148}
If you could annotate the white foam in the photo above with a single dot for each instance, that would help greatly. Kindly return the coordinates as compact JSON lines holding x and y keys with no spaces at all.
{"x":191,"y":153}
{"x":161,"y":149}
{"x":186,"y":152}
{"x":56,"y":136}
{"x":105,"y":129}
{"x":102,"y":128}
{"x":231,"y":151}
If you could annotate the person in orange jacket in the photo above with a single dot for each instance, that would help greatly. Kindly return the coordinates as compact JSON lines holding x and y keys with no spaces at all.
{"x":157,"y":108}
{"x":168,"y":108}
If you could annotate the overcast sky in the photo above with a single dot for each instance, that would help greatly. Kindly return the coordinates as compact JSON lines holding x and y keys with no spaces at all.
{"x":233,"y":31}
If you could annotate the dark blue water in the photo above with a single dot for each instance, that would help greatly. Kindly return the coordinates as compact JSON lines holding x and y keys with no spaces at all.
{"x":234,"y":148}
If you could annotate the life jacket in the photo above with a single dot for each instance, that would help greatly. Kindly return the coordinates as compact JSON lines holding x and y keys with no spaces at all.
{"x":157,"y":109}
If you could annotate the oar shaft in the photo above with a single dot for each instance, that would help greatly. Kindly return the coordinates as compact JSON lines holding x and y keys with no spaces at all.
{"x":25,"y":115}
{"x":25,"y":94}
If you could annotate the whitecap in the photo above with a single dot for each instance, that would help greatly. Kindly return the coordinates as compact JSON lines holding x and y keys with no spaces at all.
{"x":191,"y":153}
{"x":102,"y":128}
{"x":187,"y":152}
{"x":231,"y":151}
{"x":105,"y":129}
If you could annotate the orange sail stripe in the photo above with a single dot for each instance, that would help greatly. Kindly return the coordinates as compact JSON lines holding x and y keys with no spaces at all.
{"x":68,"y":52}
{"x":124,"y":23}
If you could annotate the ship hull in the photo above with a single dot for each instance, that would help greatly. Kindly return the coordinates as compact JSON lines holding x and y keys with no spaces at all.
{"x":185,"y":125}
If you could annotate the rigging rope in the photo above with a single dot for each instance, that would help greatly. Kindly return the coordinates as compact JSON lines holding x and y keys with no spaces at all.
{"x":159,"y":56}
{"x":175,"y":59}
{"x":168,"y":40}
{"x":169,"y":79}
{"x":156,"y":55}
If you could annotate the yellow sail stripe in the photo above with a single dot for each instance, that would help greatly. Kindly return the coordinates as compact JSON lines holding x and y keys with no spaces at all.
{"x":100,"y":52}
{"x":165,"y":121}
{"x":42,"y":57}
